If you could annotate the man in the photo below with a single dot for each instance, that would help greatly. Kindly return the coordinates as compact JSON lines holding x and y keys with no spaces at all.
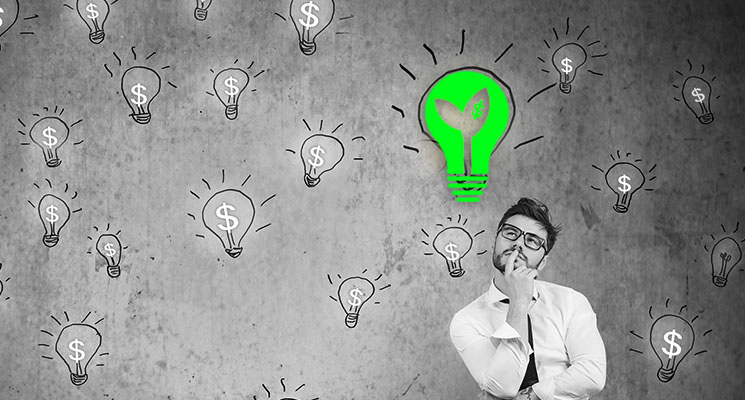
{"x":525,"y":338}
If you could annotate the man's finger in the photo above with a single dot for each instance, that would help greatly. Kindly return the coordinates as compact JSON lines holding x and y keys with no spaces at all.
{"x":510,"y":265}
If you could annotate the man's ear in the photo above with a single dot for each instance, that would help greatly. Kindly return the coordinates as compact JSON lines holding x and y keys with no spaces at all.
{"x":542,"y":264}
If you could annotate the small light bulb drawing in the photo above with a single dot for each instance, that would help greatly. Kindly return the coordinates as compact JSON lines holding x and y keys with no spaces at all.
{"x":110,"y":248}
{"x":724,"y":257}
{"x":200,"y":12}
{"x":229,"y":84}
{"x":310,"y":18}
{"x":453,"y":244}
{"x":624,"y":179}
{"x":94,"y":14}
{"x":76,"y":345}
{"x":54,"y":214}
{"x":140,"y":85}
{"x":319,"y":153}
{"x":566,"y":60}
{"x":50,"y":133}
{"x":353,"y":293}
{"x":696,"y":94}
{"x":672,"y":338}
{"x":8,"y":15}
{"x":228,"y":214}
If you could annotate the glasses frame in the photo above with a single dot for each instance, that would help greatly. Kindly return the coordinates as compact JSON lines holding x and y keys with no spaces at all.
{"x":524,"y":235}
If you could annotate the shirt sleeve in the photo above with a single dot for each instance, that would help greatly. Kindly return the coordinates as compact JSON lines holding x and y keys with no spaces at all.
{"x":497,"y":362}
{"x":586,"y":351}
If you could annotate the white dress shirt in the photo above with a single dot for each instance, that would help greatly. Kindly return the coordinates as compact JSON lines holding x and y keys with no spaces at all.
{"x":569,"y":353}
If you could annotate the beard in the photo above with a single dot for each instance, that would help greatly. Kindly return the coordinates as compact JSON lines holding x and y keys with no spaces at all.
{"x":500,"y":260}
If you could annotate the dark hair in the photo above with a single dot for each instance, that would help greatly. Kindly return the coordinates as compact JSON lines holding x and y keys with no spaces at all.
{"x":537,"y":211}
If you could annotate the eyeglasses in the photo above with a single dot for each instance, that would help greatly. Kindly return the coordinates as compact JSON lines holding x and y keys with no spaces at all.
{"x":531,"y":240}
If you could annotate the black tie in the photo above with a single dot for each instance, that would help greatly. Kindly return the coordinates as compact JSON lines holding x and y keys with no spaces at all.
{"x":531,"y":374}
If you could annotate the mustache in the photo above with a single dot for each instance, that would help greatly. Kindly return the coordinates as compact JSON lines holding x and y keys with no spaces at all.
{"x":520,"y":254}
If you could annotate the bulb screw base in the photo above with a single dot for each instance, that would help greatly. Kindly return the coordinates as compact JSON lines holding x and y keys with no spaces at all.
{"x":234,"y":252}
{"x":143,"y":118}
{"x":665,"y":375}
{"x":200,"y":14}
{"x":231,"y":111}
{"x":78,"y":380}
{"x":307,"y":48}
{"x":50,"y":240}
{"x":54,"y":162}
{"x":706,"y":118}
{"x":96,"y":37}
{"x":351,"y":320}
{"x":719,"y":281}
{"x":620,"y":208}
{"x":565,"y":87}
{"x":114,"y":271}
{"x":467,"y":187}
{"x":310,"y":181}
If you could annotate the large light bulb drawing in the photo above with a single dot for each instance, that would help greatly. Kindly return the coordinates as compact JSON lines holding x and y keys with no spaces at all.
{"x":8,"y":15}
{"x":697,"y":96}
{"x":353,"y":293}
{"x":94,"y":14}
{"x":50,"y":133}
{"x":467,"y":111}
{"x":229,"y":84}
{"x":453,"y":244}
{"x":319,"y":153}
{"x":77,"y":344}
{"x":54,"y":214}
{"x":228,"y":214}
{"x":310,"y":18}
{"x":624,"y":179}
{"x":110,"y":248}
{"x":200,"y":12}
{"x":140,"y":85}
{"x":566,"y":60}
{"x":724,"y":257}
{"x":672,"y":339}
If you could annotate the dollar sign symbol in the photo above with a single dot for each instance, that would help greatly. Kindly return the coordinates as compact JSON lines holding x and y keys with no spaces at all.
{"x":232,"y":89}
{"x":53,"y":217}
{"x":317,"y":159}
{"x":624,"y":180}
{"x":1,"y":20}
{"x":696,"y":92}
{"x":453,"y":254}
{"x":231,"y":222}
{"x":567,"y":63}
{"x":674,"y":347}
{"x":79,"y":353}
{"x":47,"y":133}
{"x":109,"y":249}
{"x":355,"y":301}
{"x":477,"y":109}
{"x":92,"y":13}
{"x":307,"y":10}
{"x":137,"y":91}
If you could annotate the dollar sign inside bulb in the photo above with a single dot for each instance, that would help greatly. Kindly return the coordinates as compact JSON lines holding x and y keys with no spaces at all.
{"x":109,"y":247}
{"x":319,"y":153}
{"x":228,"y":214}
{"x":453,"y":244}
{"x":566,"y":60}
{"x":724,"y":257}
{"x":54,"y":214}
{"x":624,"y":179}
{"x":94,"y":14}
{"x":353,"y":293}
{"x":77,"y":344}
{"x":200,"y":12}
{"x":310,"y":18}
{"x":228,"y":85}
{"x":672,"y":339}
{"x":50,"y":133}
{"x":697,"y":97}
{"x":140,"y":85}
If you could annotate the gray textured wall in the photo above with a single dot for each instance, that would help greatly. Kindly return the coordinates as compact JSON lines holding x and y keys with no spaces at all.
{"x":184,"y":321}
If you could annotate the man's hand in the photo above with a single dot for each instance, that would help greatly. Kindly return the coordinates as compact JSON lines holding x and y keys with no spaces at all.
{"x":519,"y":281}
{"x":526,"y":394}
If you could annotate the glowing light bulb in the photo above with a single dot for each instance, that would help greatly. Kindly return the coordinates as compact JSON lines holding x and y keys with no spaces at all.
{"x":672,"y":339}
{"x":50,"y":133}
{"x":110,"y":248}
{"x":624,"y":179}
{"x":697,"y":96}
{"x":140,"y":85}
{"x":200,"y":12}
{"x":94,"y":14}
{"x":353,"y":293}
{"x":54,"y":214}
{"x":566,"y":60}
{"x":310,"y":18}
{"x":319,"y":153}
{"x":228,"y":214}
{"x":229,"y":84}
{"x":724,"y":257}
{"x":77,"y":344}
{"x":453,"y":244}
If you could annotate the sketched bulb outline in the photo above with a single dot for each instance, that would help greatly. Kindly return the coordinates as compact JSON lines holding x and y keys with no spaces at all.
{"x":613,"y":178}
{"x":724,"y":257}
{"x":9,"y":15}
{"x":353,"y":293}
{"x":59,"y":133}
{"x":461,"y":244}
{"x":69,"y":339}
{"x":667,"y":332}
{"x":227,"y":81}
{"x":331,"y":153}
{"x":578,"y":57}
{"x":54,"y":214}
{"x":229,"y":208}
{"x":105,"y":245}
{"x":310,"y":17}
{"x":87,"y":9}
{"x":701,"y":109}
{"x":140,"y":85}
{"x":200,"y":12}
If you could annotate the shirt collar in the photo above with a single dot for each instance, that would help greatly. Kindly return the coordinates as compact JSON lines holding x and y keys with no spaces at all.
{"x":495,"y":295}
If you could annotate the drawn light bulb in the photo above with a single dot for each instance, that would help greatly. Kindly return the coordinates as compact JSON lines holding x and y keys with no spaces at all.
{"x":140,"y":85}
{"x":229,"y":84}
{"x":8,"y":15}
{"x":697,"y":96}
{"x":353,"y":293}
{"x":624,"y":179}
{"x":200,"y":12}
{"x":567,"y":59}
{"x":77,"y":344}
{"x":672,"y":339}
{"x":94,"y":14}
{"x":110,"y":248}
{"x":228,"y":214}
{"x":319,"y":153}
{"x":50,"y":133}
{"x":310,"y":18}
{"x":54,"y":214}
{"x":467,"y":111}
{"x":453,"y":244}
{"x":724,"y":257}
